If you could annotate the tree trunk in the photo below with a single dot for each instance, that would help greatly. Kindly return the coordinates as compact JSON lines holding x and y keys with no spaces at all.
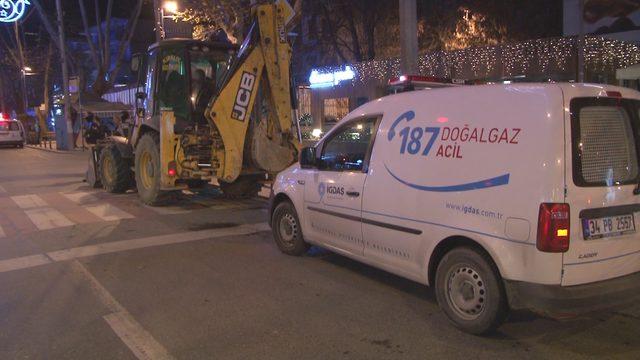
{"x":47,"y":79}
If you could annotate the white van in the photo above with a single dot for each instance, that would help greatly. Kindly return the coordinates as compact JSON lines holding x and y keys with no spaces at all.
{"x":499,"y":196}
{"x":11,"y":133}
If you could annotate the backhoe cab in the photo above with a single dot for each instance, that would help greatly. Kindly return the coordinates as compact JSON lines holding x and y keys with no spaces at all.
{"x":196,"y":117}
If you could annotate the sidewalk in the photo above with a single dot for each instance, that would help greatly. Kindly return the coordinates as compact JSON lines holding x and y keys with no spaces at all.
{"x":51,"y":146}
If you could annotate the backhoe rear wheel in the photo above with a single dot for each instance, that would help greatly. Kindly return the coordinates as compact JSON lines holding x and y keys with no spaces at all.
{"x":148,"y":170}
{"x":244,"y":187}
{"x":115,"y":172}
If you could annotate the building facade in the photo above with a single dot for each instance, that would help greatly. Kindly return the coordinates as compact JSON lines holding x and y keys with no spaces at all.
{"x":543,"y":60}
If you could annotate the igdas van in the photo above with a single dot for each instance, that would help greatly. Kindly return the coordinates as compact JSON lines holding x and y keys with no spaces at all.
{"x":557,"y":162}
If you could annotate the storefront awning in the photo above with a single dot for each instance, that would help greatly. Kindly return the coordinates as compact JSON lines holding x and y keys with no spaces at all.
{"x":629,"y":73}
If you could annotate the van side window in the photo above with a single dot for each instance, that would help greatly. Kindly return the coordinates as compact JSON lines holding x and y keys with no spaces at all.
{"x":347,"y":148}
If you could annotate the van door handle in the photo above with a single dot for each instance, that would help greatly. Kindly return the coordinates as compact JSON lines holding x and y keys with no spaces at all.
{"x":353,"y":193}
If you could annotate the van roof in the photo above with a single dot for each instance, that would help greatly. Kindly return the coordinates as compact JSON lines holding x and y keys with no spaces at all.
{"x":381,"y":104}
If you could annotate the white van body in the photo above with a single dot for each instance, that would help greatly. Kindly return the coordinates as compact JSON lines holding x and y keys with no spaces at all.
{"x":11,"y":133}
{"x":475,"y":173}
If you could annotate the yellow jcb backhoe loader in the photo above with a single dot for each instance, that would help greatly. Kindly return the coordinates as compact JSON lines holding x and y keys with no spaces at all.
{"x":207,"y":110}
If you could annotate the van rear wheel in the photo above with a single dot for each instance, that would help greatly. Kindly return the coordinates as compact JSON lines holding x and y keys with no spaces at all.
{"x":287,"y":231}
{"x":470,"y":292}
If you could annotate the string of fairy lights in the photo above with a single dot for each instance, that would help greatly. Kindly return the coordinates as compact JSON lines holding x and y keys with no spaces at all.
{"x":534,"y":57}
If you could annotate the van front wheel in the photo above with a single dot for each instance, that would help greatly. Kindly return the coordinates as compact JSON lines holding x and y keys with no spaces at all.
{"x":470,"y":292}
{"x":287,"y":231}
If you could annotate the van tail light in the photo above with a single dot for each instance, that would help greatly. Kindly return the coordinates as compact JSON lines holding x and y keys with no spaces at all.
{"x":616,"y":94}
{"x":553,"y":228}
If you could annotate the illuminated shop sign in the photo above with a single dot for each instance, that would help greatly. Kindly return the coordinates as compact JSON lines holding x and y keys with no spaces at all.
{"x":317,"y":79}
{"x":12,"y":10}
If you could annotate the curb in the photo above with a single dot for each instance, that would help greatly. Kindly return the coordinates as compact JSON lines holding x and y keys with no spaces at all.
{"x":49,"y":150}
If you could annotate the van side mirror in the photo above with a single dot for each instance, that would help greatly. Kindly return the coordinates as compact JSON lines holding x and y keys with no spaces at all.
{"x":308,"y":158}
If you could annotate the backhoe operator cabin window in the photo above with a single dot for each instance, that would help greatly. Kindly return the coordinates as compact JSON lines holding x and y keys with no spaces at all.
{"x":335,"y":109}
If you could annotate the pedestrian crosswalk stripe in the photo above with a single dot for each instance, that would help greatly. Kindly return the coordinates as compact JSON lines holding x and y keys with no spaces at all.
{"x":101,"y":209}
{"x":29,"y":201}
{"x":80,"y":197}
{"x":47,"y":218}
{"x":108,"y":212}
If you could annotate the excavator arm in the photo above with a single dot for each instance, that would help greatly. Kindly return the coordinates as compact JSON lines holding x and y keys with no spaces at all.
{"x":249,"y":138}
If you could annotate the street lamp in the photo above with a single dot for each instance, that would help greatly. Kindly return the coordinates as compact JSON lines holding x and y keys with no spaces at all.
{"x":168,"y":7}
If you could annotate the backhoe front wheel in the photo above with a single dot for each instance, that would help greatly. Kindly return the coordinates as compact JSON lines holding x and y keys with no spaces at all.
{"x":148,"y":170}
{"x":114,"y":170}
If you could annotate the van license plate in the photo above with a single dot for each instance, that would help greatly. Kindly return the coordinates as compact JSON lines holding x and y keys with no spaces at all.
{"x":608,"y":226}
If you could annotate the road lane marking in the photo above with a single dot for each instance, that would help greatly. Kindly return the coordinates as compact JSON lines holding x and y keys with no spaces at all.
{"x":132,"y":334}
{"x":2,"y":189}
{"x":108,"y":212}
{"x":2,"y":233}
{"x":29,"y":201}
{"x":137,"y":339}
{"x":126,"y":245}
{"x":105,"y":296}
{"x":24,"y":262}
{"x":48,"y":218}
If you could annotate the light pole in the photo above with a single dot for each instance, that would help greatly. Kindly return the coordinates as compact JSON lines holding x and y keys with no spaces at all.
{"x":159,"y":9}
{"x":66,"y":133}
{"x":408,"y":36}
{"x":23,"y":81}
{"x":581,"y":43}
{"x":170,"y":7}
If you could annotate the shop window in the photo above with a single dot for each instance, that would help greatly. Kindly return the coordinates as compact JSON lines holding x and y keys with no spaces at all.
{"x":335,"y":109}
{"x":304,"y":105}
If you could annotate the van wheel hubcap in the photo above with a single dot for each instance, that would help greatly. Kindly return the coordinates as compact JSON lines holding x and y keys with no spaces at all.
{"x":288,"y":229}
{"x":466,"y":292}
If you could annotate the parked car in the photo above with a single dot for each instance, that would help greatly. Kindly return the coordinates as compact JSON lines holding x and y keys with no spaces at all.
{"x":11,"y":133}
{"x":499,"y":196}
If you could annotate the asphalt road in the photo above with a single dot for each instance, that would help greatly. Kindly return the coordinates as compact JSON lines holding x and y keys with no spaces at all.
{"x":90,"y":275}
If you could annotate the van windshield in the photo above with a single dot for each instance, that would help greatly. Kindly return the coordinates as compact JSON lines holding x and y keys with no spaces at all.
{"x":605,"y":141}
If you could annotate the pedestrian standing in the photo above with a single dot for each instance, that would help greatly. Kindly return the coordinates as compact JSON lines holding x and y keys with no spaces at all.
{"x":77,"y":124}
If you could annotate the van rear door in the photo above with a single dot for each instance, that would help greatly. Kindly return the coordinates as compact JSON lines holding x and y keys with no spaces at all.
{"x":602,"y":174}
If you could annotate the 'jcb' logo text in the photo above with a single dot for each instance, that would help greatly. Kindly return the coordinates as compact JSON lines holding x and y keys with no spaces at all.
{"x":247,"y":82}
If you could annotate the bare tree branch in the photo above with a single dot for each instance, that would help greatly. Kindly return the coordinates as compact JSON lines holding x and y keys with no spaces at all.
{"x":54,"y":34}
{"x":99,"y":29}
{"x":126,"y":40}
{"x":85,"y":23}
{"x":107,"y":35}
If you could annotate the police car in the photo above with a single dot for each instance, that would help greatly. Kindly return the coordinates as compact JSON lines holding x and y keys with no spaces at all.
{"x":11,"y":133}
{"x":499,"y":196}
